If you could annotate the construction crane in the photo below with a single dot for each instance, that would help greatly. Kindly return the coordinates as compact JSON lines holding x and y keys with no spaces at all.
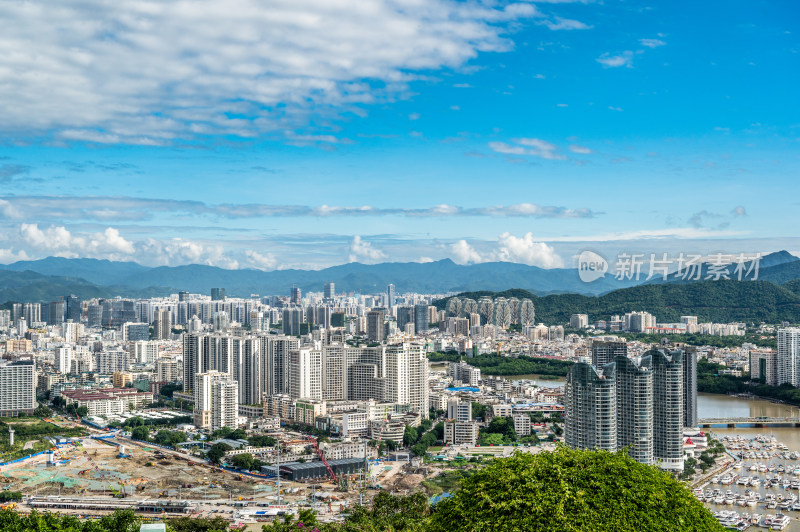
{"x":322,"y":457}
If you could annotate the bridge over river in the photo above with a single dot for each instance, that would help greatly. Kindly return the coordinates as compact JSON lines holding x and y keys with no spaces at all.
{"x":750,"y":421}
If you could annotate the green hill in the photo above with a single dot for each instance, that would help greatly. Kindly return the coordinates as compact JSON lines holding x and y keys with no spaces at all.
{"x":717,"y":301}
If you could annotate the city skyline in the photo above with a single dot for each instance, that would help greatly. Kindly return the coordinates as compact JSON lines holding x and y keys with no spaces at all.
{"x":505,"y":131}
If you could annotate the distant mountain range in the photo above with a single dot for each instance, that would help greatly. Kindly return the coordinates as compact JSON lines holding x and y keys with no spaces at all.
{"x":128,"y":278}
{"x":45,"y":279}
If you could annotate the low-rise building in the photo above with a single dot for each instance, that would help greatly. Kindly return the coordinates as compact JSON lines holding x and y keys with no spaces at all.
{"x":522,"y":424}
{"x":458,"y":432}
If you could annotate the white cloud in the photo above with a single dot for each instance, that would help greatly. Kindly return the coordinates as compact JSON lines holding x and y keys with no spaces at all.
{"x":149,"y":72}
{"x":652,"y":43}
{"x":414,"y":116}
{"x":61,"y":242}
{"x":559,"y":23}
{"x":624,"y":59}
{"x":424,"y":260}
{"x":528,"y":146}
{"x":463,"y":253}
{"x":260,"y":261}
{"x":362,"y":251}
{"x":8,"y":210}
{"x":583,"y":150}
{"x":32,"y":241}
{"x":7,"y":256}
{"x":738,"y":211}
{"x":527,"y":251}
{"x":180,"y":251}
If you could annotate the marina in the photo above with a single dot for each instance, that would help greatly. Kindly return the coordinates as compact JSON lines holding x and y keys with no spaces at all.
{"x":760,"y":488}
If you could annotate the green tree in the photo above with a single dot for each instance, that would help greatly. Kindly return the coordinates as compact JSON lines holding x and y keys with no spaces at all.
{"x":242,"y":461}
{"x":140,"y":433}
{"x":261,"y":441}
{"x":572,"y":490}
{"x":198,"y":524}
{"x":217,"y":451}
{"x":306,"y":521}
{"x":478,"y":410}
{"x":42,"y":411}
{"x":410,"y":436}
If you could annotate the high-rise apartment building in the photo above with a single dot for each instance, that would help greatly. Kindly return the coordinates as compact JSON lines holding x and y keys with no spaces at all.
{"x":375,"y":327}
{"x":62,"y":359}
{"x":459,"y":410}
{"x":72,"y":308}
{"x":217,"y":294}
{"x":606,"y":350}
{"x":789,"y":356}
{"x":55,"y":313}
{"x":162,"y":326}
{"x":668,"y":408}
{"x":634,"y":399}
{"x":689,"y":386}
{"x":216,"y":400}
{"x":390,"y":297}
{"x":579,"y":321}
{"x":764,"y":366}
{"x":296,"y":295}
{"x":421,"y":318}
{"x":590,"y":407}
{"x":17,"y":388}
{"x":293,"y":318}
{"x":329,"y":291}
{"x":32,"y":312}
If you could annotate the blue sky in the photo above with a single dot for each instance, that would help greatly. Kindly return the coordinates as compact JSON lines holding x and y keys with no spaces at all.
{"x":308,"y":133}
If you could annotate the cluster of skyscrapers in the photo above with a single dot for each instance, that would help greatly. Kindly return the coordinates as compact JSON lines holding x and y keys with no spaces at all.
{"x":640,"y":405}
{"x":256,"y":367}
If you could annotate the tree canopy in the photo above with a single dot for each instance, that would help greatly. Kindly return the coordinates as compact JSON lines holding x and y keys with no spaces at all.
{"x":572,"y":490}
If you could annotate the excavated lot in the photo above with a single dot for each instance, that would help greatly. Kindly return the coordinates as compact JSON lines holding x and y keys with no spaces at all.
{"x":147,"y":473}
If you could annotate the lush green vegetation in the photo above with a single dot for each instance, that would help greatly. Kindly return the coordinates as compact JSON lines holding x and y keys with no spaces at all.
{"x":261,"y":441}
{"x":137,"y":421}
{"x":26,"y":431}
{"x":247,"y":461}
{"x":709,"y":380}
{"x":718,"y":301}
{"x":451,"y":480}
{"x":422,"y":437}
{"x":168,"y":389}
{"x":217,"y":451}
{"x":705,"y":339}
{"x":502,"y":365}
{"x":228,"y":433}
{"x":479,"y":410}
{"x":119,"y":521}
{"x":7,"y":496}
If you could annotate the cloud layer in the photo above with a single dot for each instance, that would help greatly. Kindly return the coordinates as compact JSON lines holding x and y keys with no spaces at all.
{"x":120,"y":208}
{"x":152,"y":72}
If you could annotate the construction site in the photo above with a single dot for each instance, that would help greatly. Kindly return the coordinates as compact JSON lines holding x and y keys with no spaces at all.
{"x":92,"y":467}
{"x":128,"y":473}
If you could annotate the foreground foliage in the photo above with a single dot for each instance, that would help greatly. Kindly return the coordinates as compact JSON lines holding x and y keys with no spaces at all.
{"x":572,"y":491}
